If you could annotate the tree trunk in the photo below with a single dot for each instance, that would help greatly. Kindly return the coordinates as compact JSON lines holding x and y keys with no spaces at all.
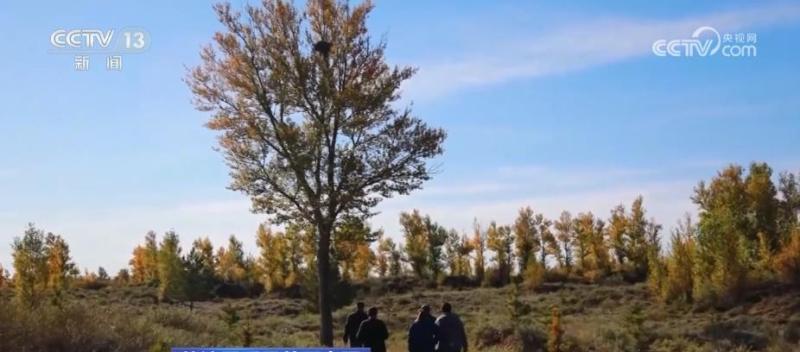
{"x":324,"y":273}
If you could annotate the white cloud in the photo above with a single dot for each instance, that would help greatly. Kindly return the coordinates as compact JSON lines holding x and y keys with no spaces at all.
{"x":575,"y":47}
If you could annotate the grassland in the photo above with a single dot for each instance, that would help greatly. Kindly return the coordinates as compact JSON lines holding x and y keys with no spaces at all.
{"x":608,"y":317}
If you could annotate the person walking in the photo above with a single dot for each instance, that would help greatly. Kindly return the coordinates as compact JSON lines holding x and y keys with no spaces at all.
{"x":373,"y":333}
{"x":351,"y":327}
{"x":452,"y":337}
{"x":423,"y":333}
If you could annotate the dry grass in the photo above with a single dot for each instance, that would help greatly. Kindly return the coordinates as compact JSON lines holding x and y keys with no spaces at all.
{"x":594,"y":317}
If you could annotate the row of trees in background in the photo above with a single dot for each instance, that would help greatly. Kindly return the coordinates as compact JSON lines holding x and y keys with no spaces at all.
{"x":747,"y":230}
{"x":747,"y":233}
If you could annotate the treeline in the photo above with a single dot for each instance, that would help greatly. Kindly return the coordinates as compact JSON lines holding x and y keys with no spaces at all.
{"x":747,"y":233}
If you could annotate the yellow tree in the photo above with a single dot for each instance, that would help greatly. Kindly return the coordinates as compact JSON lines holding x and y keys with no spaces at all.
{"x":59,"y":264}
{"x":273,"y":262}
{"x":617,"y":234}
{"x":231,"y":262}
{"x":526,"y":239}
{"x":151,"y":257}
{"x":351,"y":247}
{"x":364,"y":261}
{"x":583,"y":233}
{"x":680,"y":263}
{"x":500,"y":241}
{"x":458,"y":249}
{"x":30,"y":266}
{"x":382,"y":257}
{"x":565,"y":237}
{"x":416,"y":242}
{"x":478,"y":242}
{"x":138,"y":265}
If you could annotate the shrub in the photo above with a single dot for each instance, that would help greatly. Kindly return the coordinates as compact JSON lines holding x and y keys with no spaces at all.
{"x":787,"y":262}
{"x":534,"y":275}
{"x":555,"y":338}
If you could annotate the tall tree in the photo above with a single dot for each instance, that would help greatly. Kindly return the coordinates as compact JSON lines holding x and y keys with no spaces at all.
{"x":525,"y":237}
{"x":500,"y":240}
{"x":231,"y":262}
{"x":545,"y":237}
{"x":789,"y":206}
{"x":478,"y":242}
{"x":352,"y":239}
{"x":30,"y":266}
{"x":309,"y":128}
{"x":583,"y":234}
{"x":150,"y":258}
{"x":458,"y":249}
{"x":272,"y":261}
{"x":437,"y":235}
{"x":617,"y":234}
{"x":383,"y":256}
{"x":636,"y":248}
{"x":724,"y":249}
{"x":680,"y":263}
{"x":59,"y":264}
{"x":416,"y":242}
{"x":564,"y":234}
{"x":762,"y":211}
{"x":171,"y":274}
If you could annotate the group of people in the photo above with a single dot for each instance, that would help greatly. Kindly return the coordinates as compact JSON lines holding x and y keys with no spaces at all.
{"x":426,"y":334}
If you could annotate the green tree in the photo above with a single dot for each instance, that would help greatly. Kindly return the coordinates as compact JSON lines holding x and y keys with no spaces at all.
{"x":305,"y":103}
{"x":437,"y":235}
{"x":724,"y":251}
{"x":763,"y":208}
{"x":171,"y":274}
{"x":30,"y":266}
{"x":789,"y":204}
{"x":416,"y":242}
{"x":636,"y":247}
{"x":199,"y":267}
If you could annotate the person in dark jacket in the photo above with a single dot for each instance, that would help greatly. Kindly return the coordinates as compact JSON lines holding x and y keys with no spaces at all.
{"x":423,"y":334}
{"x":353,"y":322}
{"x":373,"y":333}
{"x":452,"y":337}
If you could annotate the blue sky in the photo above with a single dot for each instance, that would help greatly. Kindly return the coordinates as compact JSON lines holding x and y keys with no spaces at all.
{"x":552,"y":105}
